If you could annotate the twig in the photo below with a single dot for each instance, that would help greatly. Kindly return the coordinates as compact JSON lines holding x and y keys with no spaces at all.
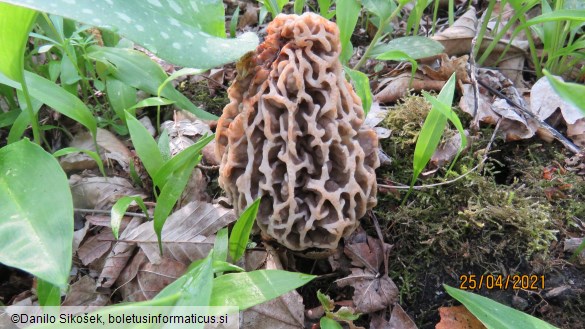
{"x":420,"y":187}
{"x":557,"y":135}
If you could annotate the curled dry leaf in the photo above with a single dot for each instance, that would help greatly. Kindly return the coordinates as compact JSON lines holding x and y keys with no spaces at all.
{"x":373,"y":290}
{"x":544,"y":102}
{"x":394,"y":88}
{"x":447,"y":151}
{"x":111,"y":149}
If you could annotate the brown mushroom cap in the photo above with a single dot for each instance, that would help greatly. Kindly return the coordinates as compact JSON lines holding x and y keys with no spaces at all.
{"x":292,"y":134}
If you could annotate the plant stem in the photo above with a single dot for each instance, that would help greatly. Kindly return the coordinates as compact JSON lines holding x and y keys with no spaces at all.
{"x":377,"y":36}
{"x":31,"y":113}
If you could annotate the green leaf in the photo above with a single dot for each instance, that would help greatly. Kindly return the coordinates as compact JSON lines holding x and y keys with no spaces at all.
{"x":48,"y":293}
{"x":185,"y":33}
{"x":194,"y":287}
{"x":144,"y":144}
{"x":15,"y":24}
{"x":179,"y":160}
{"x":241,"y":231}
{"x":164,"y":146}
{"x":558,"y":16}
{"x":326,"y":301}
{"x":247,"y":289}
{"x":299,"y":6}
{"x":220,"y":246}
{"x":495,"y":315}
{"x":8,"y":118}
{"x":432,"y":130}
{"x":151,"y":101}
{"x":381,"y":8}
{"x":448,"y":112}
{"x":361,"y":84}
{"x":328,"y":323}
{"x":234,"y":22}
{"x":139,"y":71}
{"x":415,"y":47}
{"x":571,"y":93}
{"x":36,"y":213}
{"x":397,"y":55}
{"x":177,"y":74}
{"x":170,"y":193}
{"x":60,"y":100}
{"x":119,"y":209}
{"x":94,"y":155}
{"x":121,"y":96}
{"x":348,"y":12}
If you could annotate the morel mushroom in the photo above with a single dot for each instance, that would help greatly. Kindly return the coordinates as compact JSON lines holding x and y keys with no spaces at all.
{"x":292,"y":134}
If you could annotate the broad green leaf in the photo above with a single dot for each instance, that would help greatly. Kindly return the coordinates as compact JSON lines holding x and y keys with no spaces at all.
{"x":397,"y":55}
{"x":15,"y":24}
{"x":493,"y":314}
{"x":326,"y":301}
{"x":347,"y":15}
{"x":48,"y":293}
{"x":381,"y":8}
{"x":144,"y":144}
{"x":571,"y":93}
{"x":185,"y":33}
{"x":139,"y":71}
{"x":432,"y":130}
{"x":247,"y":289}
{"x":8,"y":118}
{"x":60,"y":100}
{"x":162,"y":175}
{"x":328,"y":323}
{"x":36,"y":213}
{"x":164,"y":146}
{"x":94,"y":155}
{"x":177,"y":74}
{"x":220,"y":246}
{"x":119,"y":209}
{"x":415,"y":47}
{"x":121,"y":96}
{"x":151,"y":101}
{"x":194,"y":287}
{"x":558,"y":16}
{"x":299,"y":6}
{"x":361,"y":84}
{"x":241,"y":230}
{"x":170,"y":194}
{"x":448,"y":112}
{"x":234,"y":22}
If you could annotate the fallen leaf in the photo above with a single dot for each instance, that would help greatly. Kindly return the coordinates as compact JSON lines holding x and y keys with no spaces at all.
{"x":188,"y":234}
{"x":83,"y":293}
{"x":100,"y":192}
{"x":457,"y":317}
{"x":398,"y":320}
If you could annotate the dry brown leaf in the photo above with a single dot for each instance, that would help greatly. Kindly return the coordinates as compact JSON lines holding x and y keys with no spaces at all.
{"x":446,"y":67}
{"x":100,"y":192}
{"x":111,"y":148}
{"x":544,"y":102}
{"x":373,"y":289}
{"x":195,"y":189}
{"x":119,"y":256}
{"x":96,"y":246}
{"x":448,"y":150}
{"x":398,"y":320}
{"x":396,"y":87}
{"x":142,"y":280}
{"x":249,"y":17}
{"x":83,"y":293}
{"x":457,"y":317}
{"x":284,"y":312}
{"x":188,"y":234}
